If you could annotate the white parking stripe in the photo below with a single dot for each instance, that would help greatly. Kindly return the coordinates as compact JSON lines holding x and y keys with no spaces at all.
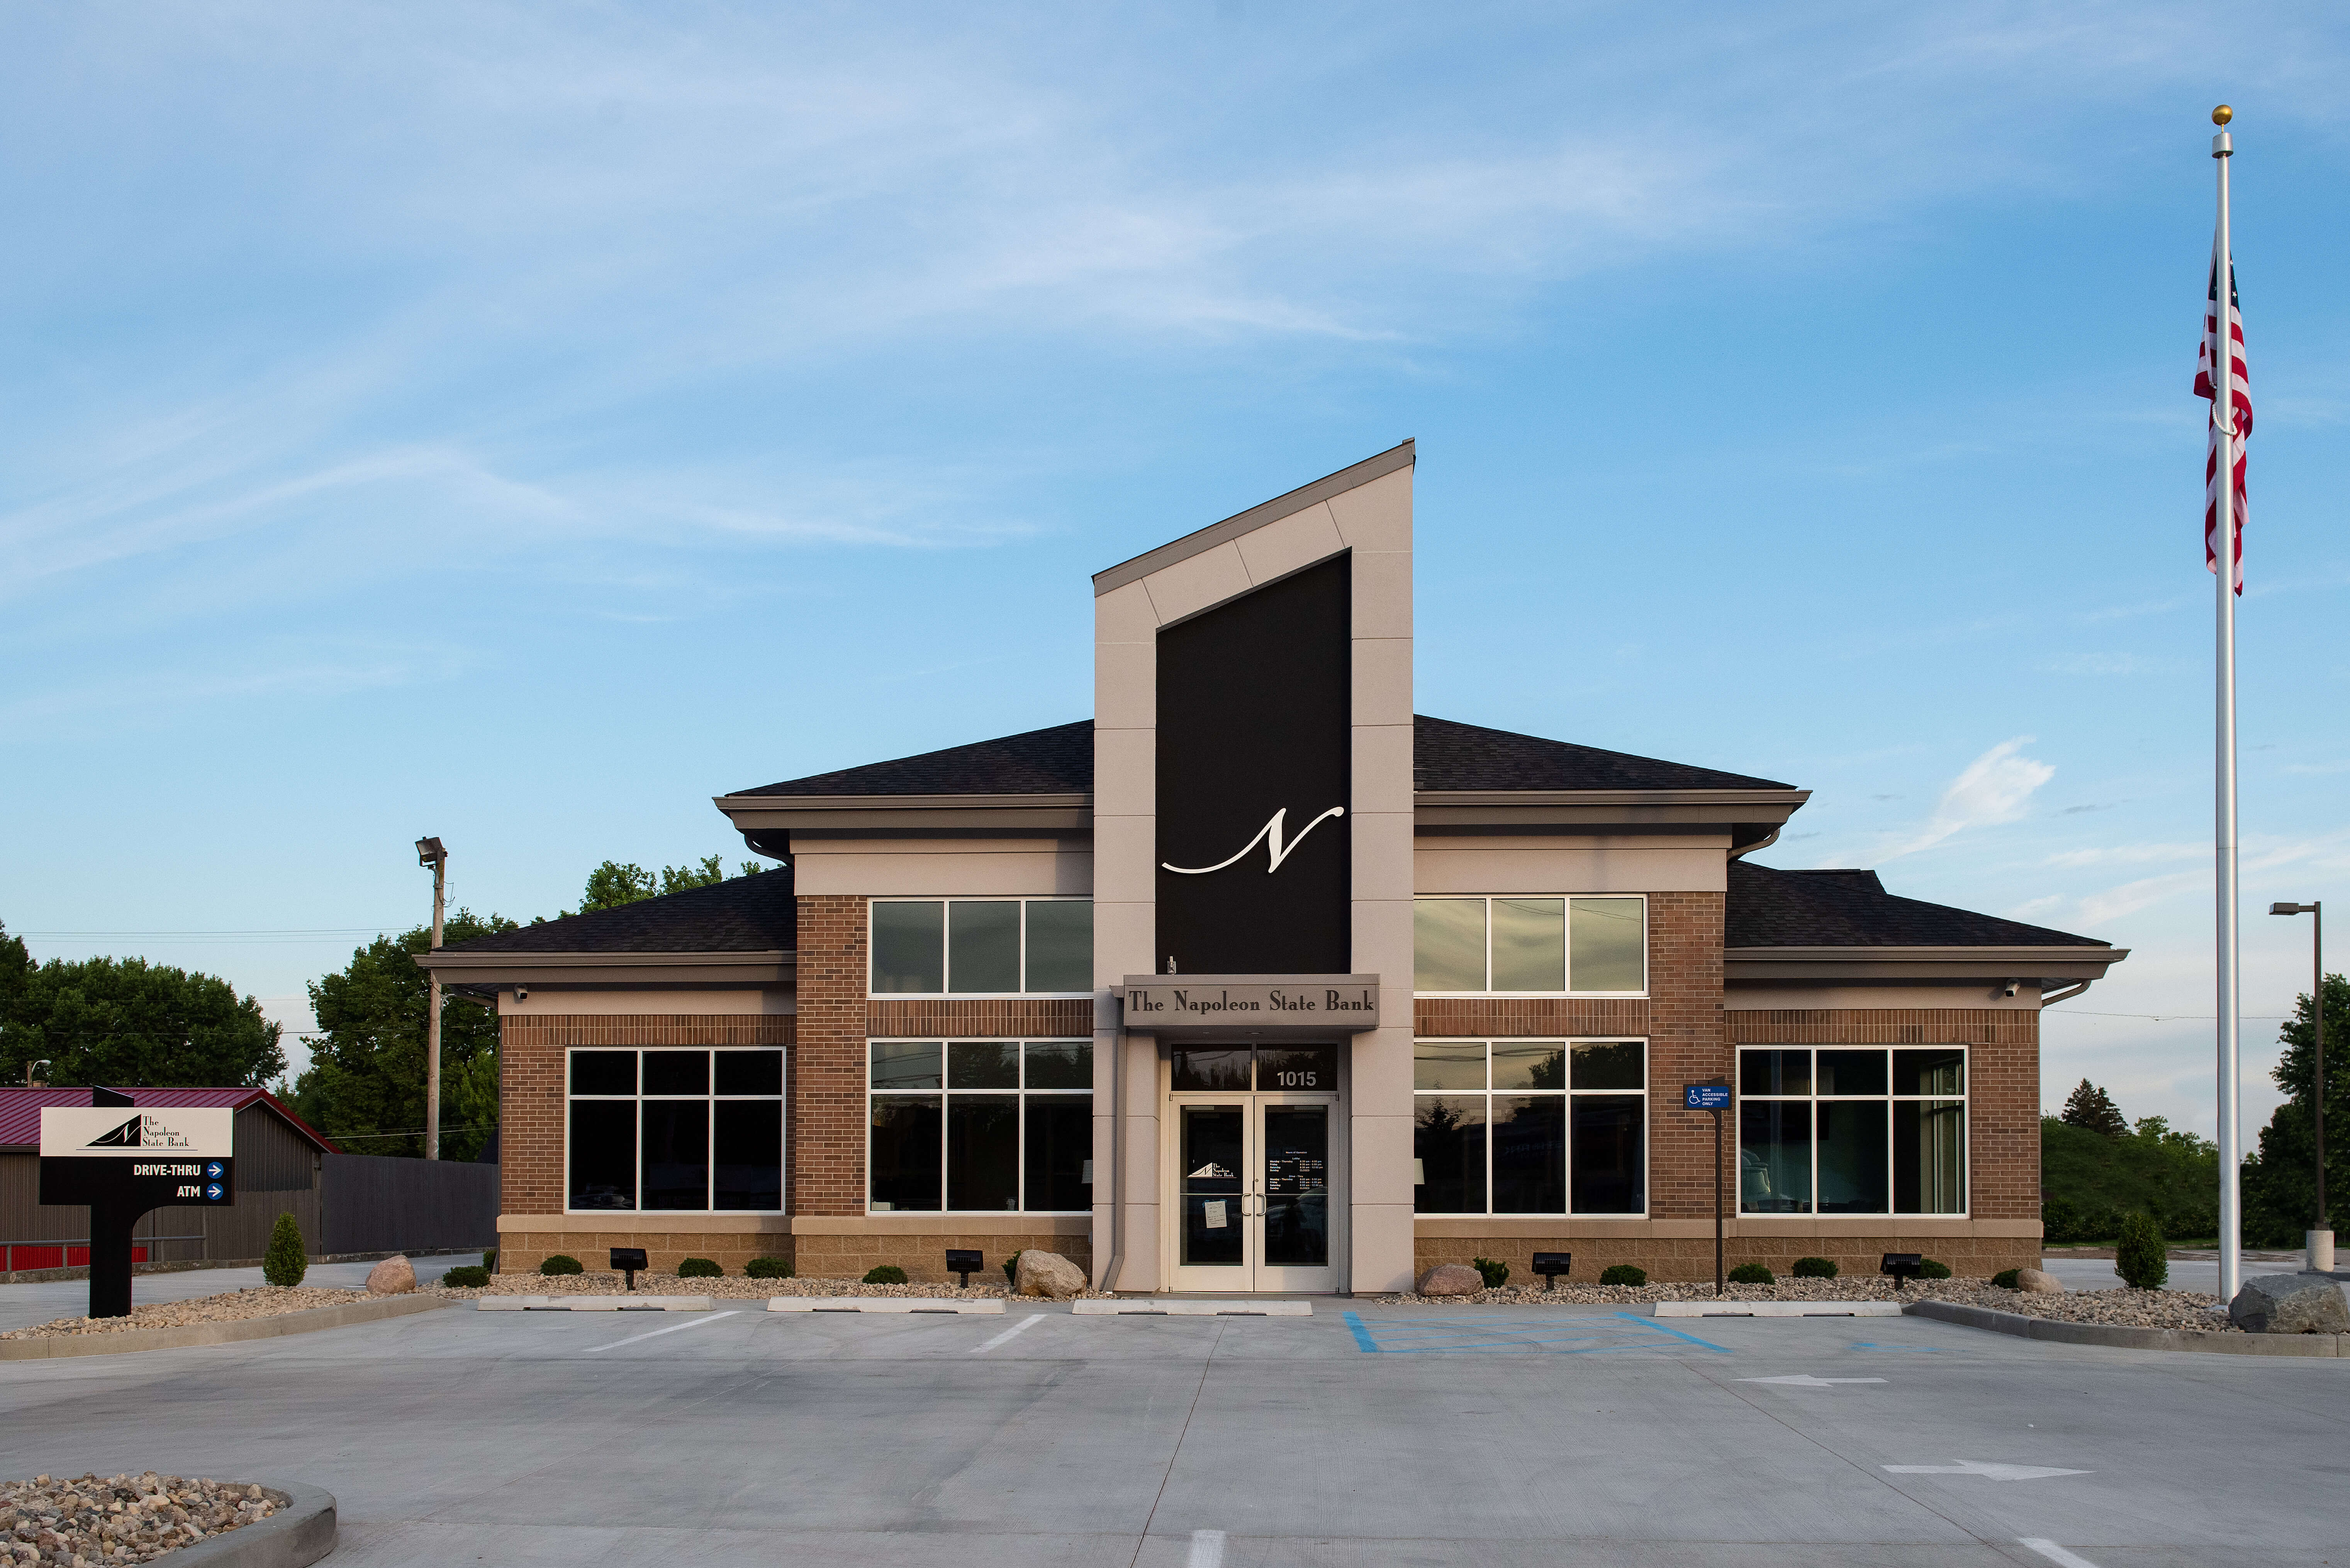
{"x":1029,"y":1321}
{"x":655,"y":1334}
{"x":2056,"y":1553}
{"x":1206,"y":1550}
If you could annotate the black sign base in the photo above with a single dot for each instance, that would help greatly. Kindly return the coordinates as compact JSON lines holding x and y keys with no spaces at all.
{"x":120,"y":1192}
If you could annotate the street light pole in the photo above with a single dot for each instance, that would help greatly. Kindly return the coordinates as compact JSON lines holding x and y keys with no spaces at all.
{"x":2320,"y":1235}
{"x":431,"y":852}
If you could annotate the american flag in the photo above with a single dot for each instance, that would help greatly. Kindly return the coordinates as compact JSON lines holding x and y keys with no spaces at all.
{"x":2240,"y":400}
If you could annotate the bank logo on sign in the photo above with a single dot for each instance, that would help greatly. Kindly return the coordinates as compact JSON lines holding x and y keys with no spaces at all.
{"x":127,"y":1135}
{"x":1275,"y":850}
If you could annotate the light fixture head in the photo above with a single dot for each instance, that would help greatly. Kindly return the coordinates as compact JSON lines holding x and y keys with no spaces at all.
{"x":430,"y":852}
{"x":2291,"y":908}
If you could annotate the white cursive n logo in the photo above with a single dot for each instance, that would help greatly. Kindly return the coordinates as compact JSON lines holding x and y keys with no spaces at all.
{"x":1270,"y":836}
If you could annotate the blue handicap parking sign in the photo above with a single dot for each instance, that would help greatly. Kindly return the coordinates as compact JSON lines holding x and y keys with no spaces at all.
{"x":1706,"y":1097}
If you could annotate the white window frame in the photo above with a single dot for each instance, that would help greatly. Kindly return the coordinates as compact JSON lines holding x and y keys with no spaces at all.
{"x":1648,"y":1140}
{"x":1567,"y":957}
{"x":1022,"y":1093}
{"x":947,"y":957}
{"x":1965,"y":1096}
{"x":783,"y":1099}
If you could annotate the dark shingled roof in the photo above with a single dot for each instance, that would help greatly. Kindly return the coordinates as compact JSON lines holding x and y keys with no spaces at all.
{"x":1058,"y":761}
{"x":740,"y":915}
{"x":1772,"y":909}
{"x":1445,"y":756}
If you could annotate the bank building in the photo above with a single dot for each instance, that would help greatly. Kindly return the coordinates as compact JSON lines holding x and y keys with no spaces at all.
{"x":1256,"y":980}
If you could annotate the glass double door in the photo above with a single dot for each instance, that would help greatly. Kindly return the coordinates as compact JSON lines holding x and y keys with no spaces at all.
{"x":1256,"y":1190}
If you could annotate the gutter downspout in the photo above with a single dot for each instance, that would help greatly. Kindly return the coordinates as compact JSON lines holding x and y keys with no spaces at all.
{"x":1116,"y":1163}
{"x":2049,"y":999}
{"x":1765,"y":842}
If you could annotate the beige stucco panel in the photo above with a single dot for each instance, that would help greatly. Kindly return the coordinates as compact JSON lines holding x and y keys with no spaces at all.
{"x":1466,"y":865}
{"x":1204,"y":580}
{"x":1289,"y":544}
{"x":546,"y":999}
{"x":1377,"y":515}
{"x":942,"y":868}
{"x":1124,"y":615}
{"x":1974,"y":993}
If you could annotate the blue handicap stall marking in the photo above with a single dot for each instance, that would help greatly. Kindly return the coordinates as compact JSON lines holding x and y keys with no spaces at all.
{"x":1616,"y":1333}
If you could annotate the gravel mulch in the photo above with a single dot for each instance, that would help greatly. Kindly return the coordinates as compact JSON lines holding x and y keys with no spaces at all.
{"x":259,"y":1301}
{"x":89,"y":1520}
{"x":2146,"y":1309}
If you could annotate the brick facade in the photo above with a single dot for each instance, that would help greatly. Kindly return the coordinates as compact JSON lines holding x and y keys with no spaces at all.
{"x":531,"y":1179}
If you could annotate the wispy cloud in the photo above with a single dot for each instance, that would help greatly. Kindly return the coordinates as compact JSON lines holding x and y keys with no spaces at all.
{"x":1994,"y":788}
{"x":2128,"y":854}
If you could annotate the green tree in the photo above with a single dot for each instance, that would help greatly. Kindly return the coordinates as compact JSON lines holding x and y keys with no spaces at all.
{"x":613,"y":884}
{"x":2092,"y":1180}
{"x":128,"y":1022}
{"x":2090,"y":1106}
{"x":2280,"y":1180}
{"x":365,"y":1084}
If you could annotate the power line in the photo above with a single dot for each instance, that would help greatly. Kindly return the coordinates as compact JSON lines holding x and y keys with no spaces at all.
{"x":2179,"y":1017}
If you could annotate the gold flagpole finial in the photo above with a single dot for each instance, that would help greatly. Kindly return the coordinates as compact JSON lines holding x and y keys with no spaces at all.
{"x":2222,"y":115}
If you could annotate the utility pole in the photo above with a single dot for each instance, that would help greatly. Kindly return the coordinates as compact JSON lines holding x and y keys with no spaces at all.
{"x":431,"y":852}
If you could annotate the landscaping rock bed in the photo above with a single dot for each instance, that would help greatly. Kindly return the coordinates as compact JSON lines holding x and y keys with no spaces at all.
{"x":229,"y":1307}
{"x":2143,"y":1309}
{"x":731,"y":1287}
{"x":93,"y":1520}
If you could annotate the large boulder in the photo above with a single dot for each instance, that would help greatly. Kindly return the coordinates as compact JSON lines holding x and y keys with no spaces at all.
{"x":392,"y":1277}
{"x":1451,"y":1280}
{"x":1047,"y":1275}
{"x":2038,"y":1282}
{"x":2289,"y":1303}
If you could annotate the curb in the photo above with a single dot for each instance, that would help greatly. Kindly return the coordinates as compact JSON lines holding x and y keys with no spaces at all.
{"x":301,"y":1532}
{"x":2125,"y":1337}
{"x":1777,"y":1309}
{"x":123,"y":1340}
{"x":594,"y":1303}
{"x":979,"y":1304}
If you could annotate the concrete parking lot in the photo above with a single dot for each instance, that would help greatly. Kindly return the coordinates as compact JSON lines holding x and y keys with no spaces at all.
{"x":1359,"y":1435}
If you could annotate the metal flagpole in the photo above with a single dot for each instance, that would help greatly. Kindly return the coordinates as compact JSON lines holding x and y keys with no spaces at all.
{"x":2223,"y":415}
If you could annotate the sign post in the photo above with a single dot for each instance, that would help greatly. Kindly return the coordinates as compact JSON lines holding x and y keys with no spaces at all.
{"x":122,"y":1160}
{"x":1712,"y":1096}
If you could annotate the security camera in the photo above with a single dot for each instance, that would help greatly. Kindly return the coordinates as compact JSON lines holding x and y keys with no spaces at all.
{"x":522,"y":993}
{"x":2009,"y":989}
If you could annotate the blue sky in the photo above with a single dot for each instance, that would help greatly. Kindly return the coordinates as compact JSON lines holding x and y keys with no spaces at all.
{"x":522,"y":424}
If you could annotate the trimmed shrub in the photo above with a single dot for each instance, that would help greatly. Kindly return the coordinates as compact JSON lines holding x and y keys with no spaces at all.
{"x":2142,"y":1258}
{"x":562,"y":1263}
{"x":466,"y":1277}
{"x":2006,"y":1279}
{"x":1624,"y":1274}
{"x":699,"y":1269}
{"x":1012,"y":1269}
{"x":885,"y":1274}
{"x":1496,"y":1274}
{"x":1752,"y":1274}
{"x":1814,"y":1269}
{"x":767,"y":1269}
{"x":490,"y":1260}
{"x":1932,"y":1269}
{"x":285,"y":1263}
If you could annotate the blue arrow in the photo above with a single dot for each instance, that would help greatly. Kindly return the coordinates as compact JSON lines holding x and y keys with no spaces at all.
{"x":214,"y":1170}
{"x":214,"y":1191}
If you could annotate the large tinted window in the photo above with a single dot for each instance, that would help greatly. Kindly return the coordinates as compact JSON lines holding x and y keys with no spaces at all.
{"x":1530,"y":1127}
{"x":982,"y":947}
{"x":980,"y":1126}
{"x":1521,"y":945}
{"x":676,"y":1130}
{"x":1852,"y":1130}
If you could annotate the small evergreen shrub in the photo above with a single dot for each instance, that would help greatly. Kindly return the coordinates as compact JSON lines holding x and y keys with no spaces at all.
{"x":466,"y":1277}
{"x":562,"y":1263}
{"x":1814,"y":1269}
{"x":1932,"y":1269}
{"x":1496,"y":1274}
{"x":2006,"y":1279}
{"x":285,"y":1263}
{"x":885,"y":1274}
{"x":490,"y":1260}
{"x":699,"y":1269}
{"x":1624,"y":1274}
{"x":1752,"y":1274}
{"x":1012,"y":1269}
{"x":767,"y":1269}
{"x":2142,"y":1258}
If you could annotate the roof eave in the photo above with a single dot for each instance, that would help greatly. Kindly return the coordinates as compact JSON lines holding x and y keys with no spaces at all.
{"x":1014,"y":814}
{"x":1985,"y":963}
{"x":700,"y":971}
